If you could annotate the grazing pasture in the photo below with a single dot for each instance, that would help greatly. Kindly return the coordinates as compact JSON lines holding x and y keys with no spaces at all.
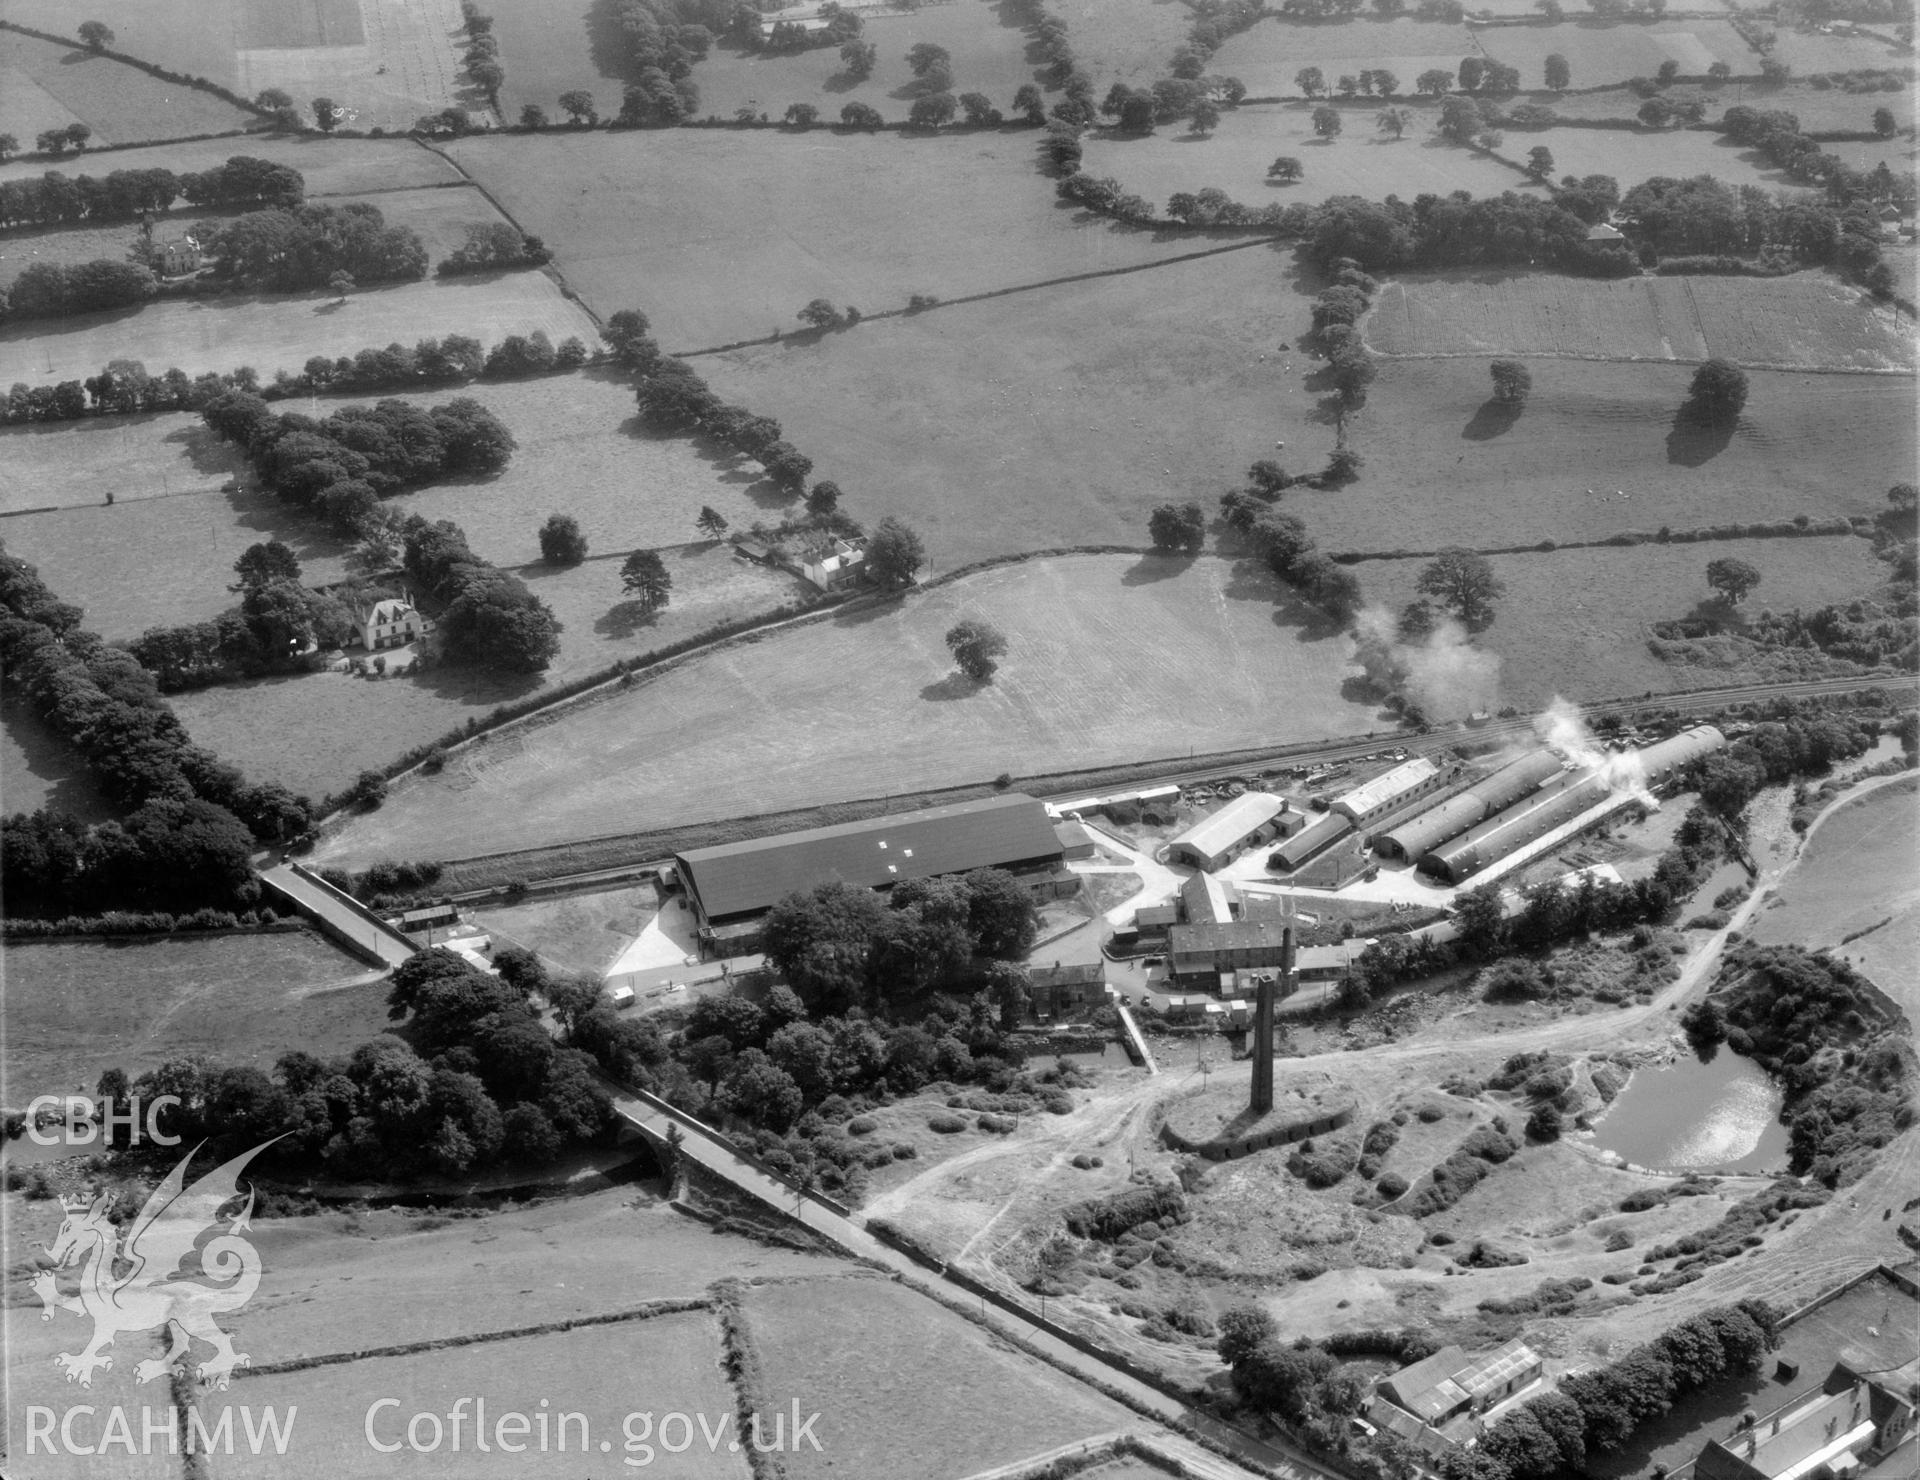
{"x":78,"y":1008}
{"x":121,"y":104}
{"x":1442,"y":468}
{"x":196,"y":37}
{"x":869,"y":1353}
{"x":582,"y":452}
{"x":27,"y":108}
{"x":1268,"y":54}
{"x":316,"y":732}
{"x":1612,"y":51}
{"x":1111,"y":657}
{"x":330,"y":166}
{"x":943,"y":215}
{"x":281,"y":331}
{"x":989,"y":56}
{"x":1631,"y":158}
{"x":1576,"y":622}
{"x":1050,"y":418}
{"x":151,"y":561}
{"x":553,"y":46}
{"x":1235,"y":157}
{"x":1130,"y":41}
{"x":1809,"y":321}
{"x":1806,"y":49}
{"x":667,"y":1364}
{"x":71,"y":465}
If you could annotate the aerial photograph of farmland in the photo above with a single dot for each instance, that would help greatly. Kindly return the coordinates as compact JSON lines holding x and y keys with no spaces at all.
{"x":960,"y":739}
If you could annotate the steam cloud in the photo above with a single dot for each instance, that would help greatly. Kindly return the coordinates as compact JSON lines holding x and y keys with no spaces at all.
{"x":1446,"y":675}
{"x":1561,"y":727}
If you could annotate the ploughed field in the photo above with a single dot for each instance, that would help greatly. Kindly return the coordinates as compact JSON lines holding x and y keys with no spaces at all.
{"x":1111,"y":658}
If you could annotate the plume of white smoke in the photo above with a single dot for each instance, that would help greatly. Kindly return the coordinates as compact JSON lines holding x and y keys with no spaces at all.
{"x":1445,"y":674}
{"x":1561,"y":728}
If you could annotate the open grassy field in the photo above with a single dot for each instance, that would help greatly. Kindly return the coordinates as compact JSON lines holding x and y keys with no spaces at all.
{"x":1234,"y":158}
{"x":739,"y":262}
{"x":388,"y":62}
{"x":869,"y":1354}
{"x":317,"y":732}
{"x":1266,"y":55}
{"x":78,"y":1008}
{"x":1808,"y":50}
{"x":553,"y":46}
{"x":1576,"y":622}
{"x":1612,"y":51}
{"x":1608,"y":428}
{"x":1810,"y":321}
{"x":329,"y":166}
{"x":39,"y":769}
{"x":1129,"y":41}
{"x":1111,"y":657}
{"x":591,"y":1370}
{"x":583,"y":453}
{"x":77,"y":464}
{"x":987,"y":43}
{"x":275,"y":331}
{"x":121,"y":104}
{"x":151,"y":561}
{"x":1855,"y":891}
{"x":1056,"y":417}
{"x":1633,"y":157}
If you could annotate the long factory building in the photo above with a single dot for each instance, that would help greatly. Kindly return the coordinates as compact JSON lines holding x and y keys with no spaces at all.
{"x":1556,"y":802}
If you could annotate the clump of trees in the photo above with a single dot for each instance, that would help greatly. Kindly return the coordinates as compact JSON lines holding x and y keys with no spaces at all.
{"x":494,"y":246}
{"x":841,"y":946}
{"x":51,"y":290}
{"x":1449,"y":231}
{"x":480,"y":54}
{"x":489,"y":617}
{"x":1512,"y":383}
{"x":343,"y":464}
{"x":1464,"y":583}
{"x":1732,"y":578}
{"x":561,"y":542}
{"x":1717,"y":394}
{"x":302,"y":247}
{"x":1177,"y":528}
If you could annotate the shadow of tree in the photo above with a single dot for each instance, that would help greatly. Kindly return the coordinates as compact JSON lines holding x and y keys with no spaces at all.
{"x":1160,"y":566}
{"x":207,"y":452}
{"x":1692,"y":442}
{"x":1495,"y":418}
{"x":624,"y":618}
{"x":953,"y":686}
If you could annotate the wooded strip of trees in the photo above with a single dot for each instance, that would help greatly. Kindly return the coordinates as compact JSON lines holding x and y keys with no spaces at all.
{"x":126,"y":195}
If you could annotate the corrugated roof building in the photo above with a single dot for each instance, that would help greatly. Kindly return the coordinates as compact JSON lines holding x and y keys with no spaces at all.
{"x":1450,"y":1382}
{"x":1404,"y":783}
{"x":1224,"y":835}
{"x":1445,"y":822}
{"x":734,"y":882}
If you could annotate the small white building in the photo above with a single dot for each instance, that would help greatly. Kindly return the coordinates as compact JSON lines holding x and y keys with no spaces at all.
{"x":836,"y":566}
{"x":390,"y":622}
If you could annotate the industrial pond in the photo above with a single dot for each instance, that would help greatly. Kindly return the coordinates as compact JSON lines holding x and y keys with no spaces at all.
{"x":1689,"y":1116}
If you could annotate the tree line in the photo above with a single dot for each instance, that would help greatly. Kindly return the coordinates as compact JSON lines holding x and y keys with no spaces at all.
{"x":480,"y":52}
{"x":127,"y":195}
{"x":192,"y":821}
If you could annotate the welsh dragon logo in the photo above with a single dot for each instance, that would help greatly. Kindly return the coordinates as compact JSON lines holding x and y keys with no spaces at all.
{"x":138,"y":1285}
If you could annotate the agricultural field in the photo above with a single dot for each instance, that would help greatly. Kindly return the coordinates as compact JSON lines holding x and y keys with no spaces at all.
{"x":39,"y":769}
{"x":80,"y":1007}
{"x":316,"y":732}
{"x":989,"y":56}
{"x":1631,"y":158}
{"x":582,"y":452}
{"x":161,"y":561}
{"x":1105,"y":397}
{"x":549,"y":47}
{"x":1612,"y":51}
{"x":754,"y":729}
{"x":1234,"y":158}
{"x":121,"y":104}
{"x":1576,"y":622}
{"x":590,"y":1370}
{"x":1267,"y":54}
{"x":388,"y":63}
{"x":739,"y":262}
{"x":281,"y":331}
{"x":868,"y":1358}
{"x":1130,"y":41}
{"x":67,"y":465}
{"x":1808,"y":50}
{"x":1810,"y":321}
{"x":1901,"y":155}
{"x":1597,"y":452}
{"x":329,"y":166}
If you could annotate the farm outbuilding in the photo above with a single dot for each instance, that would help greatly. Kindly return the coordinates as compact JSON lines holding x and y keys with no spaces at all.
{"x":1218,"y":839}
{"x":1443,"y":823}
{"x":733,"y":883}
{"x":1450,"y":1382}
{"x":1405,"y":783}
{"x":1305,"y":846}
